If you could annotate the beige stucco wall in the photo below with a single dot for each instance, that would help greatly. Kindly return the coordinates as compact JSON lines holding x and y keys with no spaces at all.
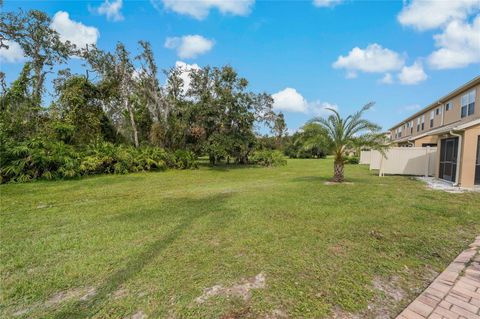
{"x":426,"y":140}
{"x":468,"y":156}
{"x":450,"y":116}
{"x":453,"y":115}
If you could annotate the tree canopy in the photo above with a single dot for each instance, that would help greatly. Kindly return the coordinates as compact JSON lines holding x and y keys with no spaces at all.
{"x":119,"y":98}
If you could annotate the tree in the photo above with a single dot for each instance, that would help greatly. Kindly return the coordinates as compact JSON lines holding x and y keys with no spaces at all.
{"x":179,"y":128}
{"x":148,"y":83}
{"x":118,"y":84}
{"x":38,"y":41}
{"x":279,"y":128}
{"x":223,"y":113}
{"x":20,"y":116}
{"x":342,"y":134}
{"x":79,"y":107}
{"x":309,"y":142}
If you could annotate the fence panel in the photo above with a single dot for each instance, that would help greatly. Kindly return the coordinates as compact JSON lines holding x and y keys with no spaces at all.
{"x":406,"y":161}
{"x":375,"y":159}
{"x":365,"y":157}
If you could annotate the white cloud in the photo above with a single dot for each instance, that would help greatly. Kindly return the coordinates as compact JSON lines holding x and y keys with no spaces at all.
{"x":373,"y":59}
{"x":459,"y":42}
{"x":387,"y":79}
{"x":189,"y":46}
{"x":326,"y":3}
{"x":75,"y":32}
{"x":200,"y":9}
{"x":185,"y":75}
{"x":351,"y":75}
{"x":459,"y":45}
{"x":319,"y":108}
{"x":112,"y":10}
{"x":413,"y":74}
{"x":290,"y":100}
{"x":431,"y":14}
{"x":13,"y":54}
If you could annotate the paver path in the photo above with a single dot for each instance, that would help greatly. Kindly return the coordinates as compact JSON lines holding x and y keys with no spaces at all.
{"x":454,"y":294}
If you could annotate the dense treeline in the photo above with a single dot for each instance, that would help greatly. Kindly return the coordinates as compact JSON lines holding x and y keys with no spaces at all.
{"x":116,"y":116}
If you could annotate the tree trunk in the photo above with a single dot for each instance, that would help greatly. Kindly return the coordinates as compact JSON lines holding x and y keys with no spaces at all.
{"x":338,"y":172}
{"x":37,"y":90}
{"x":132,"y":122}
{"x":212,"y":159}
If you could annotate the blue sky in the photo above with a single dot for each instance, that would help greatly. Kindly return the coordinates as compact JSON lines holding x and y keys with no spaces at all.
{"x":303,"y":52}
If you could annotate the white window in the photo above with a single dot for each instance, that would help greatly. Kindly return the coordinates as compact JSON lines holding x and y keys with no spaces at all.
{"x":423,"y":122}
{"x":432,"y":116}
{"x":468,"y":104}
{"x":448,"y":106}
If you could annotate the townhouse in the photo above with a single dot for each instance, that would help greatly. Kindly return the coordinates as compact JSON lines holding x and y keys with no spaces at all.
{"x":452,"y":124}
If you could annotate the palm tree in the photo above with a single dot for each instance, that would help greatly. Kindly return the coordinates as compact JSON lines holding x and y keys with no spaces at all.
{"x":343,"y":134}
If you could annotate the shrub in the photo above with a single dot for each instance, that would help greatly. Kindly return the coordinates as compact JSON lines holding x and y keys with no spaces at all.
{"x":38,"y":158}
{"x":108,"y":158}
{"x":43,"y":159}
{"x":185,"y":160}
{"x":268,"y":158}
{"x":352,"y":160}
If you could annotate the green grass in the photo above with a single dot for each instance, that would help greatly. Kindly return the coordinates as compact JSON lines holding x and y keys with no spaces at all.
{"x":152,"y":242}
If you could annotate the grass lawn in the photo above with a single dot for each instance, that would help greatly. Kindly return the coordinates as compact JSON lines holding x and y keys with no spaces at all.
{"x":277,"y":242}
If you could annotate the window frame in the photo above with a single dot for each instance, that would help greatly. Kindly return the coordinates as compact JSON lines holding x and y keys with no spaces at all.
{"x":467,"y":103}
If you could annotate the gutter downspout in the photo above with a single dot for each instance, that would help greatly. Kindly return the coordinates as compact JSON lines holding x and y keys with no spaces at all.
{"x":443,"y":114}
{"x":457,"y":173}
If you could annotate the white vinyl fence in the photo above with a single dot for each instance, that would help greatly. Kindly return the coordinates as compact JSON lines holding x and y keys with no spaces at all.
{"x":365,"y":157}
{"x":375,"y":159}
{"x":405,"y":161}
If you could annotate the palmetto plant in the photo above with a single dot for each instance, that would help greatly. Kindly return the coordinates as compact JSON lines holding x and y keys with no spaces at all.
{"x":44,"y":159}
{"x":344,"y":134}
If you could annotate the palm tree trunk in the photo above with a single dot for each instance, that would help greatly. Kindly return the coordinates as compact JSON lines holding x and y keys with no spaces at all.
{"x":338,"y":172}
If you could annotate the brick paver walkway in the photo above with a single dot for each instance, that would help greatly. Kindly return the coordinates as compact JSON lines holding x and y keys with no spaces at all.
{"x":454,"y":294}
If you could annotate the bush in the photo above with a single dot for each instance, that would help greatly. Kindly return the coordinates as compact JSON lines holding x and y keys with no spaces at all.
{"x":297,"y":151}
{"x":352,"y":160}
{"x":185,"y":160}
{"x":268,"y":158}
{"x":43,"y":159}
{"x":38,"y":158}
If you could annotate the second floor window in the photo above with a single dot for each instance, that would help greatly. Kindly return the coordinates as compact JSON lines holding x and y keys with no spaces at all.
{"x":448,"y":106}
{"x":423,"y":122}
{"x":468,"y":104}
{"x":432,"y":115}
{"x":418,"y":125}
